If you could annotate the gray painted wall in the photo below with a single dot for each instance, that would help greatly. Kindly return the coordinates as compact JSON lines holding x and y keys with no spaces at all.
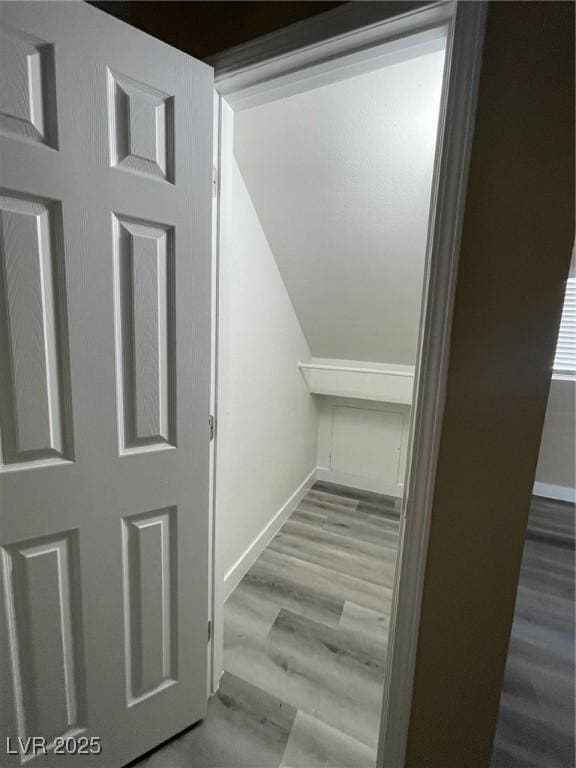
{"x":557,"y":459}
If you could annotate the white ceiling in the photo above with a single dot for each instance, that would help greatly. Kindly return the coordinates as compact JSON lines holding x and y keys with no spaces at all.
{"x":340,"y":177}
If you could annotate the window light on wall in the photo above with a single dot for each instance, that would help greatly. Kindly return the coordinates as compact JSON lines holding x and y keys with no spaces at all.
{"x":565,"y":357}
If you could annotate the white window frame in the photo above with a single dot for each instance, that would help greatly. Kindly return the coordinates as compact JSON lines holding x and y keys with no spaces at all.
{"x":261,"y":70}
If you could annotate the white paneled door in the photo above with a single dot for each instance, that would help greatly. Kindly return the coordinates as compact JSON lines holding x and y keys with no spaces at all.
{"x":105,"y":194}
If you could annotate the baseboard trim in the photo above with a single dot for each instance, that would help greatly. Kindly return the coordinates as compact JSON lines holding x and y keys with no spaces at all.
{"x":327,"y":475}
{"x":559,"y":492}
{"x":241,"y":567}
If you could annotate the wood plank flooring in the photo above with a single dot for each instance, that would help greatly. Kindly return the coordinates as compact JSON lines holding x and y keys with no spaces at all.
{"x":536,"y":719}
{"x":308,"y":625}
{"x":305,"y":645}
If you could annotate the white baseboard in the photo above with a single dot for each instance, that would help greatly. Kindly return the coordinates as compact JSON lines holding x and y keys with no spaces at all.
{"x":559,"y":492}
{"x":241,"y":567}
{"x":327,"y":475}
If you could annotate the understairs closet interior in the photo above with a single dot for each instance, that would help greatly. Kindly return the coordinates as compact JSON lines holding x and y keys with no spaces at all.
{"x":325,"y":195}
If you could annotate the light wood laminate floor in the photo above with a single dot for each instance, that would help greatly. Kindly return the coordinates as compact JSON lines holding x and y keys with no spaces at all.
{"x":305,"y":645}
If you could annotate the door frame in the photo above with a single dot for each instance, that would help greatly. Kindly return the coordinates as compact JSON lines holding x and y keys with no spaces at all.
{"x":292,"y":59}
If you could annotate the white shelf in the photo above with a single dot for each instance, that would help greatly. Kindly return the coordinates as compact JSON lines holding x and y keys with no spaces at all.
{"x":360,"y":380}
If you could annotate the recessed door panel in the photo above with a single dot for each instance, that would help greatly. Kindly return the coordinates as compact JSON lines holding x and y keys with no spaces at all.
{"x":27,"y":88}
{"x":150,"y":602}
{"x":45,"y":630}
{"x":145,"y":321}
{"x":35,"y":395}
{"x":141,"y":128}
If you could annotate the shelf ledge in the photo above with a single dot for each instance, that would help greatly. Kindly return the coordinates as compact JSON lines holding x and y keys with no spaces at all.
{"x":355,"y":379}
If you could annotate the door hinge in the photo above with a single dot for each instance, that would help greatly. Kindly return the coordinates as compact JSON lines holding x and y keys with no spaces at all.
{"x":214,"y":181}
{"x":211,"y":426}
{"x":209,"y":631}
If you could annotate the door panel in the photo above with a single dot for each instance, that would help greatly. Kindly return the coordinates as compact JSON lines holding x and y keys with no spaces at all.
{"x":144,"y":264}
{"x":141,"y":127}
{"x":35,"y":413}
{"x":28,"y":98}
{"x":150,"y":568}
{"x":105,"y":194}
{"x":44,"y":622}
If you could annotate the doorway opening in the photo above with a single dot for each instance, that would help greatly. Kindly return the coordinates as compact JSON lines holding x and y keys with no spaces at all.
{"x":325,"y":200}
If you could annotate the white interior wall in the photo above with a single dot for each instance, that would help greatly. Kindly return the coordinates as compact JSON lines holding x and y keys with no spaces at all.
{"x":341,"y":179}
{"x":556,"y":471}
{"x":267,"y":419}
